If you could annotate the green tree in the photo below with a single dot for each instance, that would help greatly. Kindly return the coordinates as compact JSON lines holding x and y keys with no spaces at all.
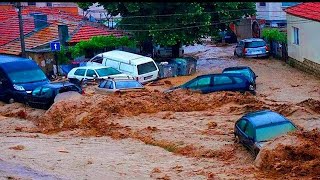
{"x":174,"y":24}
{"x":272,"y":34}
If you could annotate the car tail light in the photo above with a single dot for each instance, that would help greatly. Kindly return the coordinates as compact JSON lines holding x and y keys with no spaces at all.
{"x":245,"y":50}
{"x":267,"y":48}
{"x":82,"y":92}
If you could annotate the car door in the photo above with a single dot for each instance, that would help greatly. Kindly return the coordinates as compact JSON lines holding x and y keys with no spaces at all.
{"x":4,"y":86}
{"x":223,"y":83}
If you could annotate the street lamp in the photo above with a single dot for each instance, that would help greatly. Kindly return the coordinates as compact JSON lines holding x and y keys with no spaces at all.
{"x":23,"y":48}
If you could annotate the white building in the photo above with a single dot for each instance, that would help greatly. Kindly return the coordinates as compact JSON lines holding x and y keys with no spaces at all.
{"x":273,"y":12}
{"x":303,"y":36}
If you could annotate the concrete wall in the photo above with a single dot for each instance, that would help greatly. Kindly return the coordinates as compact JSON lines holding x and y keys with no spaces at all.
{"x":307,"y":53}
{"x":271,"y":6}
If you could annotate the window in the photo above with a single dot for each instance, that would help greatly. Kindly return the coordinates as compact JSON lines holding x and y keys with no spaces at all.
{"x":146,"y":68}
{"x":27,"y":76}
{"x":269,"y":132}
{"x":201,"y":82}
{"x":245,"y":72}
{"x":238,"y":80}
{"x":127,"y":84}
{"x":97,"y":59}
{"x":255,"y":44}
{"x":36,"y":92}
{"x":80,"y":72}
{"x":91,"y":73}
{"x":109,"y":85}
{"x":107,"y":71}
{"x":262,"y":4}
{"x":220,"y":80}
{"x":242,"y":124}
{"x":249,"y":130}
{"x":31,"y":3}
{"x":295,"y":35}
{"x":49,"y":4}
{"x":126,"y":67}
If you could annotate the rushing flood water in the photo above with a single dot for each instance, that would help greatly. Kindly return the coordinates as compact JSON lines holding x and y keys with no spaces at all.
{"x":24,"y":172}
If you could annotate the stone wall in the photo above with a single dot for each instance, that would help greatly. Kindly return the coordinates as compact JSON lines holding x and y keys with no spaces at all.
{"x":307,"y":66}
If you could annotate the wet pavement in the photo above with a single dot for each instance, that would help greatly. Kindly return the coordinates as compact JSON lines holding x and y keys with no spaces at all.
{"x":12,"y":171}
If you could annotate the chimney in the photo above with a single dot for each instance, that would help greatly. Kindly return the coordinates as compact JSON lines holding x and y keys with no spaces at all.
{"x":63,"y":34}
{"x":40,"y":21}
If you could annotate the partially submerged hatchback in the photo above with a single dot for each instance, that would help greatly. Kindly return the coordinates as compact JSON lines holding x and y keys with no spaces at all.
{"x":217,"y":82}
{"x":252,"y":47}
{"x":254,"y":129}
{"x":113,"y":85}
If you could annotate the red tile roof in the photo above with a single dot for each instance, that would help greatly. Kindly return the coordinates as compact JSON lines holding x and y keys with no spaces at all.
{"x":9,"y":29}
{"x":87,"y":32}
{"x":39,"y":38}
{"x":308,"y":10}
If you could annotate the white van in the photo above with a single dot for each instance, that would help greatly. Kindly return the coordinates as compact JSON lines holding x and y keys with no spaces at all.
{"x":142,"y":68}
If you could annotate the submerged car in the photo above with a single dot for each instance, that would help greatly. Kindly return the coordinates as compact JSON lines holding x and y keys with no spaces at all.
{"x":217,"y":82}
{"x":113,"y":85}
{"x":43,"y":97}
{"x":252,"y":47}
{"x":256,"y":128}
{"x":245,"y":70}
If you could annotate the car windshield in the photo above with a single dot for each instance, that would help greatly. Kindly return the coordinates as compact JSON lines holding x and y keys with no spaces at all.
{"x":128,"y":84}
{"x":27,"y":76}
{"x":107,"y":71}
{"x":255,"y":44}
{"x":269,"y":132}
{"x":245,"y":72}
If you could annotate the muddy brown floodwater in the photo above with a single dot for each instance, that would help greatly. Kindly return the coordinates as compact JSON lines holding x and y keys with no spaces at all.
{"x":181,"y":135}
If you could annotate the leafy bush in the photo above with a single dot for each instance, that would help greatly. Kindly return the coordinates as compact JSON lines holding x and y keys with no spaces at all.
{"x":271,"y":34}
{"x":62,"y":55}
{"x":99,"y":43}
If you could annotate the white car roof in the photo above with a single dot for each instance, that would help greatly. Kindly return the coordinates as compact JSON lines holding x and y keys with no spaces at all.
{"x":126,"y":57}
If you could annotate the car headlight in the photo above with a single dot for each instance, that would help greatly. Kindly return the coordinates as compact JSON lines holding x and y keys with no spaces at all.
{"x":17,"y":87}
{"x":251,"y":87}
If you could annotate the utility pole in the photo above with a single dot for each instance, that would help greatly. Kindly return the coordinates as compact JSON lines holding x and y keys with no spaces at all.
{"x":23,"y":47}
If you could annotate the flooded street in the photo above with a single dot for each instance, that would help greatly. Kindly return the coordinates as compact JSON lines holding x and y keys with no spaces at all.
{"x":151,"y":135}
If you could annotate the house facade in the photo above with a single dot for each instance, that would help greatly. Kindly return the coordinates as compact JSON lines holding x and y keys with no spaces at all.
{"x":273,"y":12}
{"x":303,"y":36}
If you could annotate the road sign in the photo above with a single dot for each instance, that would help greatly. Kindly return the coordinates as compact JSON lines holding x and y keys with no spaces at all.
{"x":55,"y":46}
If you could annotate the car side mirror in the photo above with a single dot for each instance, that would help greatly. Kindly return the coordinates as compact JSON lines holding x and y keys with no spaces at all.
{"x":257,"y":76}
{"x":94,"y":76}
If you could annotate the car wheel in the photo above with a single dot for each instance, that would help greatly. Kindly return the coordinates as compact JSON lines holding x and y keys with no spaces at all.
{"x":9,"y":100}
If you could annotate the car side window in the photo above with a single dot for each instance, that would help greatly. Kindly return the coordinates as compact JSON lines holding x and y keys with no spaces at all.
{"x":97,"y":59}
{"x":80,"y":72}
{"x":109,"y":85}
{"x":102,"y":84}
{"x":90,"y":73}
{"x":46,"y":92}
{"x":201,"y":82}
{"x":238,"y":80}
{"x":221,"y":80}
{"x":242,"y":124}
{"x":249,"y":130}
{"x":241,"y":43}
{"x":36,"y":91}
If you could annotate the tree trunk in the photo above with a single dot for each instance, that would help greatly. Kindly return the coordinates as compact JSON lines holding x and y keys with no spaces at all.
{"x":175,"y":50}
